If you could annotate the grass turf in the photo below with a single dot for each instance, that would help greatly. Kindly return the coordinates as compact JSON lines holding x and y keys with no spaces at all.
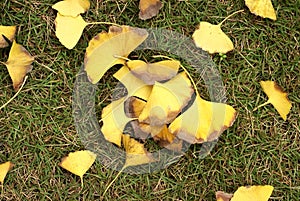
{"x":37,"y":130}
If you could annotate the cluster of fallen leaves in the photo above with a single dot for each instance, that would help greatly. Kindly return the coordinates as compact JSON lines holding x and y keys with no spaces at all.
{"x":157,"y":92}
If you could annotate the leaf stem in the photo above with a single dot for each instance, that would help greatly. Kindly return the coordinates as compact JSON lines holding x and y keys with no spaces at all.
{"x":107,"y":23}
{"x":12,"y":98}
{"x":226,"y":18}
{"x":119,"y":173}
{"x":261,"y":105}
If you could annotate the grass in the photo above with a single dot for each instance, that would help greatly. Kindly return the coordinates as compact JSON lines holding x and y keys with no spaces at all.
{"x":37,"y":129}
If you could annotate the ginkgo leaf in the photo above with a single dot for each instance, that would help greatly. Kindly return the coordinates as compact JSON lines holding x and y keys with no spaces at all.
{"x":257,"y":193}
{"x":4,"y":168}
{"x":153,"y":72}
{"x":263,"y":8}
{"x":221,"y":196}
{"x":72,"y":8}
{"x":167,"y":100}
{"x":105,"y":49}
{"x":9,"y":32}
{"x":114,"y":121}
{"x":18,"y":64}
{"x":211,"y":38}
{"x":136,"y":154}
{"x":149,"y":8}
{"x":78,"y":162}
{"x":69,"y":29}
{"x":134,"y":106}
{"x":203,"y":121}
{"x":277,"y":97}
{"x":133,"y":85}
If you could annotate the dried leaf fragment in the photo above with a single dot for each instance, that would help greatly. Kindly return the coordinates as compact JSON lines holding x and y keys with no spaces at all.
{"x":211,"y":38}
{"x":4,"y":168}
{"x":257,"y":193}
{"x":203,"y":121}
{"x":72,"y":8}
{"x":263,"y":8}
{"x":105,"y":49}
{"x":69,"y":29}
{"x":134,"y":106}
{"x":221,"y":196}
{"x":277,"y":97}
{"x":78,"y":162}
{"x":18,"y":64}
{"x":9,"y":32}
{"x":149,"y":8}
{"x":154,"y":72}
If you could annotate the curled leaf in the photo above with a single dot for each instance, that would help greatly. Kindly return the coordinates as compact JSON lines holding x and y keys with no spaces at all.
{"x":250,"y":193}
{"x":69,"y":29}
{"x":9,"y":32}
{"x":263,"y":8}
{"x":4,"y":168}
{"x":18,"y":64}
{"x":149,"y":8}
{"x":153,"y":72}
{"x":78,"y":162}
{"x":105,"y":49}
{"x":72,"y":8}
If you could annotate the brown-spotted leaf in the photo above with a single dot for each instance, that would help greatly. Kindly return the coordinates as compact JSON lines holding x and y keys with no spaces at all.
{"x":149,"y":8}
{"x":221,"y":196}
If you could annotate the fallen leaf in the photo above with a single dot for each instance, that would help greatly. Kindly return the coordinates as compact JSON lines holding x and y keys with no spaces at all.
{"x":134,"y":106}
{"x":9,"y":32}
{"x":167,"y":100}
{"x":72,"y":8}
{"x":251,"y":193}
{"x":133,"y":85}
{"x":136,"y":154}
{"x":18,"y":64}
{"x":69,"y":29}
{"x":153,"y":72}
{"x":277,"y":97}
{"x":149,"y":8}
{"x":203,"y":121}
{"x":114,"y":121}
{"x":4,"y":168}
{"x":263,"y":8}
{"x":105,"y":49}
{"x":221,"y":196}
{"x":78,"y":162}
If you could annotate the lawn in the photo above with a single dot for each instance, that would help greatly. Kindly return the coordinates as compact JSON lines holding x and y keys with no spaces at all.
{"x":37,"y":128}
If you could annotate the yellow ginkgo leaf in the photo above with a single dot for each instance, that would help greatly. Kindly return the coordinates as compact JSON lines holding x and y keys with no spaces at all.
{"x":203,"y":121}
{"x":133,"y":85}
{"x":251,"y":193}
{"x":211,"y":38}
{"x":4,"y":168}
{"x":105,"y":49}
{"x":9,"y":32}
{"x":78,"y":162}
{"x":72,"y":8}
{"x":263,"y":8}
{"x":277,"y":97}
{"x":136,"y":154}
{"x":221,"y":196}
{"x":18,"y":64}
{"x":69,"y":29}
{"x":153,"y":72}
{"x":149,"y":8}
{"x":114,"y":121}
{"x":167,"y":100}
{"x":134,"y":106}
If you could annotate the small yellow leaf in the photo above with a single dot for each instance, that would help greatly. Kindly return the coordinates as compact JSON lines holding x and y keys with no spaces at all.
{"x":18,"y":64}
{"x":153,"y":72}
{"x":114,"y":121}
{"x":9,"y":32}
{"x":203,"y":121}
{"x":149,"y":8}
{"x":263,"y":8}
{"x":277,"y":97}
{"x":72,"y":8}
{"x":257,"y":193}
{"x":133,"y":85}
{"x":211,"y":38}
{"x":167,"y":100}
{"x":78,"y":162}
{"x":136,"y":154}
{"x":69,"y":29}
{"x":105,"y":49}
{"x":4,"y":168}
